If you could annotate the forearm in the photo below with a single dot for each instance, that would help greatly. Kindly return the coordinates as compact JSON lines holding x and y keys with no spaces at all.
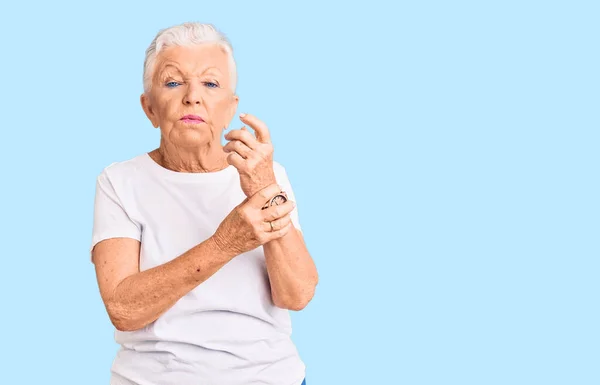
{"x":143,"y":297}
{"x":292,"y":272}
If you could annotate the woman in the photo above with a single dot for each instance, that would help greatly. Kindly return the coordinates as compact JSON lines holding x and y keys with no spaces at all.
{"x":197,"y":246}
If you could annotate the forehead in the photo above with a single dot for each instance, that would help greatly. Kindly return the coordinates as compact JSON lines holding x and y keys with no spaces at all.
{"x":194,"y":60}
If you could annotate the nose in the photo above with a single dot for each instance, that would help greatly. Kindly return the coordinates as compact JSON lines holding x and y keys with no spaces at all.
{"x":192,"y":96}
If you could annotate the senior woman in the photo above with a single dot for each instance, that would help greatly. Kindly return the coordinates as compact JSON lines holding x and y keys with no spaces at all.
{"x":197,"y":246}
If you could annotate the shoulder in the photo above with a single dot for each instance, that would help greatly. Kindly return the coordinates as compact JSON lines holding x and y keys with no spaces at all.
{"x":282,"y":176}
{"x":122,"y":170}
{"x":279,"y":169}
{"x":280,"y":173}
{"x":121,"y":178}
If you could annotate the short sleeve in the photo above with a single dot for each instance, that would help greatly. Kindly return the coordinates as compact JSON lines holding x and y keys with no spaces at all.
{"x":285,"y":184}
{"x":110,"y":218}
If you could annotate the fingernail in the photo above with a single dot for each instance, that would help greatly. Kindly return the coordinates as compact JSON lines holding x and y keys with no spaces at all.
{"x":242,"y":115}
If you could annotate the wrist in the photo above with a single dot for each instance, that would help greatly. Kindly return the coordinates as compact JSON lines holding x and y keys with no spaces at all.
{"x":258,"y":187}
{"x":219,"y":247}
{"x":263,"y":186}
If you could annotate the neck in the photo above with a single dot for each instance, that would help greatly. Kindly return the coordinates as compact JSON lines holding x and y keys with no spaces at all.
{"x":208,"y":158}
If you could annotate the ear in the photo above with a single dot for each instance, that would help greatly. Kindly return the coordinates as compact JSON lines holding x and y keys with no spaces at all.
{"x":147,"y":107}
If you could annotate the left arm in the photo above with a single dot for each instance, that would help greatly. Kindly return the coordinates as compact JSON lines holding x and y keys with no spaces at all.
{"x":292,"y":272}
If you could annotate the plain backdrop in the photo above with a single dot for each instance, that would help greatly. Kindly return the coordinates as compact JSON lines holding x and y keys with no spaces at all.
{"x":444,"y":156}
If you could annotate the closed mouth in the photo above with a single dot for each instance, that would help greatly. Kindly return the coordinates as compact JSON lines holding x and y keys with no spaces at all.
{"x":194,"y":118}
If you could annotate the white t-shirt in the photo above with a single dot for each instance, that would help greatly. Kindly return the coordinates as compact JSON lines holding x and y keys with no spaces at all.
{"x":226,"y":331}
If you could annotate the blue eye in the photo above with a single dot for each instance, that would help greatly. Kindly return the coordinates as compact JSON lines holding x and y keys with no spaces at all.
{"x":172,"y":84}
{"x":211,"y":85}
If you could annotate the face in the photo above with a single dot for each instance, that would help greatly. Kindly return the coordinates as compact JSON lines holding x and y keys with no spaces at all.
{"x":191,"y":98}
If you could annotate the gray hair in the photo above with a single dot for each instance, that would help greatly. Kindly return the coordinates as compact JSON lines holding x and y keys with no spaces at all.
{"x":186,"y":34}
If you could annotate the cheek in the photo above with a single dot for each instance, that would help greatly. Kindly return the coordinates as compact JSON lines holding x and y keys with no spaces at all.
{"x":219,"y":111}
{"x":167,"y":106}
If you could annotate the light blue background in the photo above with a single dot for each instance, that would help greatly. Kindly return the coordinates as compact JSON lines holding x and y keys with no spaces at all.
{"x":444,"y":156}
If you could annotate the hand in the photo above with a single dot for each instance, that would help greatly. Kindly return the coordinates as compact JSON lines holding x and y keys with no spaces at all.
{"x":247,"y":226}
{"x":251,"y":156}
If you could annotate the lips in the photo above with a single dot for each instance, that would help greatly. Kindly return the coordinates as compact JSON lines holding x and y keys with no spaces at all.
{"x":192,"y":119}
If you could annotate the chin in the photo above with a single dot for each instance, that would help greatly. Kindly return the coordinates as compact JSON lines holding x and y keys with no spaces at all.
{"x":192,"y":137}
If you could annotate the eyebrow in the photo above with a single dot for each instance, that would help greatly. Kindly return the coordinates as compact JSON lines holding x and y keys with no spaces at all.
{"x":168,"y":67}
{"x":212,"y":69}
{"x":172,"y":66}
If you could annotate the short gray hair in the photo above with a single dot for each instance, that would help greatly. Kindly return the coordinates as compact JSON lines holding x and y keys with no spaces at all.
{"x":186,"y":34}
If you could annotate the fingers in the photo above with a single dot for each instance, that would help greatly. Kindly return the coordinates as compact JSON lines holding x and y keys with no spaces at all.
{"x":236,"y":160}
{"x":262,"y":132}
{"x":239,"y":147}
{"x":276,"y":234}
{"x":259,"y":199}
{"x":243,"y":136}
{"x":278,"y":211}
{"x":277,"y":224}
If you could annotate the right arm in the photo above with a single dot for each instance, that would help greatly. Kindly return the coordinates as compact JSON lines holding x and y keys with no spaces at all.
{"x":134,"y":299}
